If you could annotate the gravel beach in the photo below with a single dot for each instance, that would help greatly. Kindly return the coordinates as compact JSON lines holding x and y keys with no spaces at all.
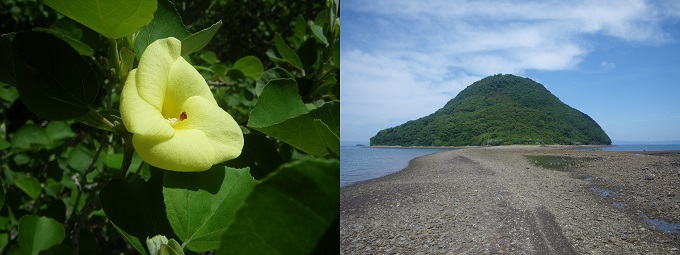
{"x":496,"y":200}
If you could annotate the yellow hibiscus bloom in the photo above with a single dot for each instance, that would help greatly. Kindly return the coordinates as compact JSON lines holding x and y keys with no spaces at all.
{"x":171,"y":112}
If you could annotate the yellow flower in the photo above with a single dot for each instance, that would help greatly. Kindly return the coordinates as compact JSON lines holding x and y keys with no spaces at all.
{"x":174,"y":118}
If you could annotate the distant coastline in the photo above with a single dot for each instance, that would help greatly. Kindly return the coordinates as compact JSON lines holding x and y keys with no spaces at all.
{"x":614,"y":143}
{"x":478,"y":146}
{"x":419,"y":147}
{"x":650,"y":147}
{"x":668,"y":142}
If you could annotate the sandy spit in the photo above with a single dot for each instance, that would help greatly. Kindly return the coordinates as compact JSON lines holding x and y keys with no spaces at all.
{"x":496,"y":201}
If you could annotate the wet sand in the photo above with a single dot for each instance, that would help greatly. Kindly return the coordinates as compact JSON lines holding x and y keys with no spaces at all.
{"x":496,"y":200}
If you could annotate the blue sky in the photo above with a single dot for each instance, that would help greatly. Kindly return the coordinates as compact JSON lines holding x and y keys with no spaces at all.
{"x":617,"y":61}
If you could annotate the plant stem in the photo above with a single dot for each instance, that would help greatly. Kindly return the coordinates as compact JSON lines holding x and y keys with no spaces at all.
{"x":114,"y":58}
{"x":128,"y":150}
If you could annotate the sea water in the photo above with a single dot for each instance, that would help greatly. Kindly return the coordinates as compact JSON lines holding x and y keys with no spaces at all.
{"x":364,"y":163}
{"x":639,"y":147}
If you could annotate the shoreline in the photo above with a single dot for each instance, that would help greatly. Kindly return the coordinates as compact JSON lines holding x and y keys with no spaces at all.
{"x":481,"y":146}
{"x":564,"y":147}
{"x":453,"y":201}
{"x":412,"y":147}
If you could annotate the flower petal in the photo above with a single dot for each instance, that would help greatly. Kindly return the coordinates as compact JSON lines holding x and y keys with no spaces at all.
{"x":184,"y":82}
{"x":220,"y":128}
{"x":139,"y":117}
{"x":187,"y":151}
{"x":155,"y":64}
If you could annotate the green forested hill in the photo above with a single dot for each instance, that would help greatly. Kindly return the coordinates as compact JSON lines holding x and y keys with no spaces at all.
{"x":499,"y":109}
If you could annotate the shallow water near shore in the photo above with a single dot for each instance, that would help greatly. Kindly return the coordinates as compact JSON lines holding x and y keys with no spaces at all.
{"x":364,"y":163}
{"x":663,"y":226}
{"x":637,"y":147}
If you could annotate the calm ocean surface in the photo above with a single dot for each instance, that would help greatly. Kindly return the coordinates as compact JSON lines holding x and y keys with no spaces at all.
{"x":364,"y":163}
{"x":642,"y":147}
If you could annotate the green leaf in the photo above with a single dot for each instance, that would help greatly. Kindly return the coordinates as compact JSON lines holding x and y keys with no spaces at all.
{"x":334,"y":8}
{"x":4,"y":144}
{"x":8,"y":94}
{"x":336,"y":55}
{"x":29,"y":136}
{"x":250,"y":66}
{"x":271,"y":74}
{"x":95,"y":119}
{"x":330,"y":140}
{"x":286,"y":52}
{"x":288,"y":212}
{"x":209,"y":57}
{"x":308,"y":52}
{"x":80,"y":158}
{"x":46,"y":80}
{"x":166,"y":23}
{"x":136,"y":208}
{"x":4,"y":240}
{"x":21,"y":159}
{"x":220,"y":69}
{"x":30,"y":185}
{"x":82,"y":48}
{"x":300,"y":27}
{"x":38,"y":234}
{"x":115,"y":161}
{"x":53,"y":188}
{"x":197,"y":41}
{"x":280,"y":113}
{"x":309,"y":132}
{"x":127,"y":60}
{"x":200,"y":206}
{"x":278,"y":102}
{"x":111,"y":18}
{"x":172,"y":248}
{"x":58,"y":131}
{"x":329,"y":115}
{"x":133,"y":240}
{"x":318,"y":32}
{"x":68,"y":27}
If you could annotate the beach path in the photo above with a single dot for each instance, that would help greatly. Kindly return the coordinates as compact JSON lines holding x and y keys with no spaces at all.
{"x":488,"y":201}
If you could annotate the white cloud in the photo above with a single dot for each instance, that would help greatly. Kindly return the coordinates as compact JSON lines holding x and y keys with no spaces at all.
{"x":381,"y":91}
{"x":607,"y":66}
{"x":405,"y":59}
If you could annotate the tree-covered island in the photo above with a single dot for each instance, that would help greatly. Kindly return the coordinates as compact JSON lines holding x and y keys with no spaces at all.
{"x":498,"y":110}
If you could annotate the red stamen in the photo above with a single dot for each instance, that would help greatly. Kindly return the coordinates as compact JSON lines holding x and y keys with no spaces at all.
{"x":183,"y":116}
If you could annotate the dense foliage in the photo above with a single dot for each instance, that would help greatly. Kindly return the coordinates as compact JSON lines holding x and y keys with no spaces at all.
{"x":251,"y":24}
{"x":71,"y":181}
{"x":498,"y":110}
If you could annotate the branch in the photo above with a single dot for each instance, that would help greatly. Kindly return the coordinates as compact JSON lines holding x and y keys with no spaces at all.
{"x":76,"y":220}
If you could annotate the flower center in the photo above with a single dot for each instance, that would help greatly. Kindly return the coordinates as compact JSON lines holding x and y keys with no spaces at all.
{"x":175,"y":121}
